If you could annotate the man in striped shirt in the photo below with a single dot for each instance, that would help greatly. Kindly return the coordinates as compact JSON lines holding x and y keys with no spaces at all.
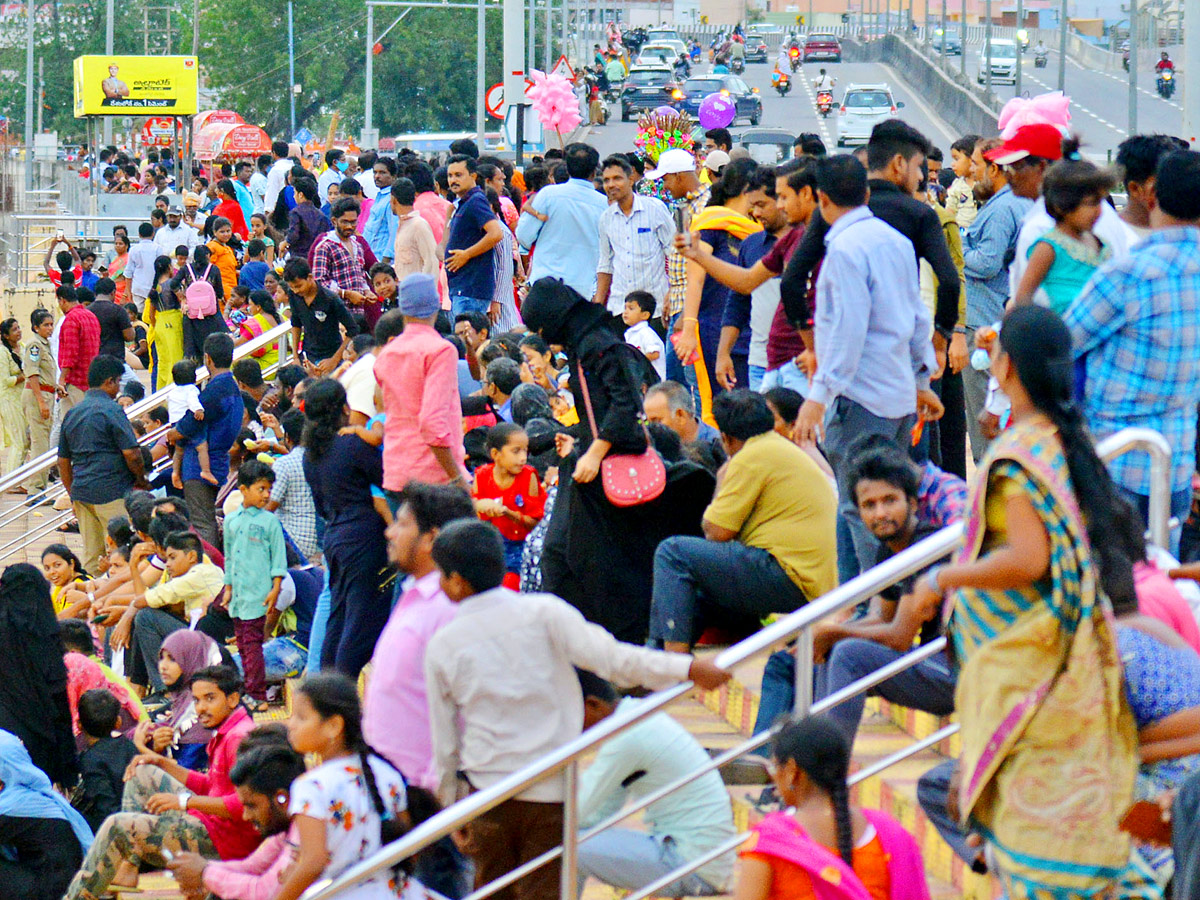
{"x":636,"y":234}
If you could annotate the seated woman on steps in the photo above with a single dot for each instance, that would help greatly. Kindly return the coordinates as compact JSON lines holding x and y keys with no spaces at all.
{"x":820,"y":846}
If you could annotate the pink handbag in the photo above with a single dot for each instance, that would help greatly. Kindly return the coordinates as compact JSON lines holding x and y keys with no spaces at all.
{"x":628,"y":479}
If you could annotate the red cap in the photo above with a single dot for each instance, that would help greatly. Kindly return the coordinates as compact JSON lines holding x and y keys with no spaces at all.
{"x":1041,"y":140}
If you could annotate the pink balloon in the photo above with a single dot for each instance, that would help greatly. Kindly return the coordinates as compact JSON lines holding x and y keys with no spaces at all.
{"x":554,"y":102}
{"x":665,"y":110}
{"x":717,"y":111}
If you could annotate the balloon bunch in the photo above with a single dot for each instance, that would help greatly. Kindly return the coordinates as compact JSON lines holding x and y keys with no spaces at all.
{"x":1053,"y":108}
{"x":555,"y":103}
{"x":664,"y":129}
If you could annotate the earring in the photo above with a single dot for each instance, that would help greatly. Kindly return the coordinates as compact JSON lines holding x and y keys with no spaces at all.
{"x":281,"y":798}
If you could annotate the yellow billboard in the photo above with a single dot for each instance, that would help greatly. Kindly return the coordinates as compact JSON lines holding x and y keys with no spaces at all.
{"x":136,"y":85}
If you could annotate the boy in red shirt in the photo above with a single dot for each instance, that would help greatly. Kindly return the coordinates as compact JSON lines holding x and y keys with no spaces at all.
{"x":508,"y":494}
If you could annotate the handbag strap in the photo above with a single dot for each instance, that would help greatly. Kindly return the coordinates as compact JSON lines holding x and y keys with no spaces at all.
{"x":587,"y":401}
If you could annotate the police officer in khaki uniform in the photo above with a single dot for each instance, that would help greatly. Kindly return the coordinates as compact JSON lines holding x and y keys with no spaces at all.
{"x":41,"y":375}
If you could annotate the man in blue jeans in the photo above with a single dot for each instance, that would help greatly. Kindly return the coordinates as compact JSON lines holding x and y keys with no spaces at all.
{"x":885,"y":490}
{"x":768,"y":542}
{"x":472,"y":233}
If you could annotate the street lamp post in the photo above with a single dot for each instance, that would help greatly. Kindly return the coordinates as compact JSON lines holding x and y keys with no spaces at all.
{"x":1133,"y":65}
{"x":29,"y":9}
{"x":1062,"y":46}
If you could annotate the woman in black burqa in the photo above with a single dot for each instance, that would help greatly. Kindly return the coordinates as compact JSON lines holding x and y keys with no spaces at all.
{"x":599,"y":557}
{"x":33,"y":691}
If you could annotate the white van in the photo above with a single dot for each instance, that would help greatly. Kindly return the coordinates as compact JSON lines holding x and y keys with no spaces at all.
{"x":1003,"y":60}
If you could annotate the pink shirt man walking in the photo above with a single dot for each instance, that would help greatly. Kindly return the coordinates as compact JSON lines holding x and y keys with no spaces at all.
{"x":418,"y":377}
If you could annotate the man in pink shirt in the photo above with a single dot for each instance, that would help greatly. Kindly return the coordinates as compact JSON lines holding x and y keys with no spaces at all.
{"x":418,"y":377}
{"x":263,"y":777}
{"x":436,"y":211}
{"x":395,"y":712}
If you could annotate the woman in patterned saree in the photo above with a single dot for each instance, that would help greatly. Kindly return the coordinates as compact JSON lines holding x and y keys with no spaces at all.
{"x":1049,"y":746}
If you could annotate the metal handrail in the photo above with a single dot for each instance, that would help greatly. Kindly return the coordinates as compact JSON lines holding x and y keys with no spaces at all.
{"x":857,"y":590}
{"x":44,"y":462}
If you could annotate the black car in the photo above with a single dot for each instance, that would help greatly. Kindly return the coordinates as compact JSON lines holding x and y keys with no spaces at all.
{"x":749,"y":104}
{"x":756,"y":49}
{"x":647,"y":87}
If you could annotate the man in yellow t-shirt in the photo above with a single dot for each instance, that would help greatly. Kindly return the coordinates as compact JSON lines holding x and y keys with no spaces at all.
{"x":769,"y":541}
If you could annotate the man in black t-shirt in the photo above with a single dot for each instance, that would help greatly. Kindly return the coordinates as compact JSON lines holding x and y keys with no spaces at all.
{"x":317,"y":314}
{"x":884,"y":484}
{"x":115,"y":326}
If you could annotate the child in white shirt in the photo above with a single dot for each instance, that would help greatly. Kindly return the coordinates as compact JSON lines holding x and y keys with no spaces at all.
{"x":185,"y":397}
{"x":639,"y":307}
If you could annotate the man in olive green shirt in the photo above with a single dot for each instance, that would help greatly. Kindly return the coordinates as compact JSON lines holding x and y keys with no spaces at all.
{"x":769,"y":534}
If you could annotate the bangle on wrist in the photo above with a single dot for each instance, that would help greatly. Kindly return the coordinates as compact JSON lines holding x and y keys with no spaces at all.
{"x":184,"y":796}
{"x":934,"y":578}
{"x":690,"y":319}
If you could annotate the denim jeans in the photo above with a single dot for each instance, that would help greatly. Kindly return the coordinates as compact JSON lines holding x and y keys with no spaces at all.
{"x":316,"y":637}
{"x":927,"y":686}
{"x":675,"y":371}
{"x":1181,"y":505}
{"x":689,"y":571}
{"x":778,"y":694}
{"x":460,"y":303}
{"x":789,"y":375}
{"x":1185,"y":816}
{"x":932,"y":791}
{"x":756,"y":377}
{"x":630,"y":860}
{"x":845,"y":422}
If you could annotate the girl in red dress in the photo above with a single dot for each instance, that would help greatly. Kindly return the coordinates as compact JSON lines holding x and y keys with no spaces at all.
{"x":508,"y":494}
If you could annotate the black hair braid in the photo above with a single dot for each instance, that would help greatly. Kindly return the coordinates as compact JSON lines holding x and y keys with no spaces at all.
{"x":1038,"y":343}
{"x":839,"y":797}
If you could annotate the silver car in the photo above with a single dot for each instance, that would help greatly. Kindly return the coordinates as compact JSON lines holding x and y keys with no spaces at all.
{"x":1002,"y":59}
{"x":863,"y":107}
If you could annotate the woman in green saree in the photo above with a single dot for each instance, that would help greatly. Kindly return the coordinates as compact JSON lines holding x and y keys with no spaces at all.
{"x":1049,"y":747}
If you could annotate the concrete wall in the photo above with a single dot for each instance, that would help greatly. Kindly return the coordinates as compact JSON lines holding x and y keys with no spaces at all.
{"x":956,"y":101}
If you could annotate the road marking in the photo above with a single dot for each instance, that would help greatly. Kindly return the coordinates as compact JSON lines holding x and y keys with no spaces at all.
{"x":822,"y":121}
{"x":916,"y":99}
{"x":1077,"y":106}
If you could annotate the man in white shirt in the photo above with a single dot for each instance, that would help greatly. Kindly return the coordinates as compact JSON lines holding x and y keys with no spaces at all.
{"x":490,"y":718}
{"x":366,"y":175}
{"x":636,"y":234}
{"x":277,"y":176}
{"x":140,"y":268}
{"x":258,"y":183}
{"x":175,"y":234}
{"x":334,"y":167}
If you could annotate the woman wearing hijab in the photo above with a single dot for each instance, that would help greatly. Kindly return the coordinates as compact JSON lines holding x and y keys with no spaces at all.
{"x":33,"y":691}
{"x":42,"y":838}
{"x":530,"y":401}
{"x":599,"y":557}
{"x":183,"y":654}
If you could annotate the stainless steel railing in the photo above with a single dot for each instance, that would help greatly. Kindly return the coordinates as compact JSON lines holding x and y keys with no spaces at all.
{"x":48,"y":460}
{"x":565,"y":761}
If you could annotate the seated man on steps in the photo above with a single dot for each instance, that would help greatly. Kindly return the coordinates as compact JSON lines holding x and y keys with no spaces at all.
{"x":768,"y":542}
{"x":884,"y":486}
{"x":170,"y":808}
{"x":681,"y":827}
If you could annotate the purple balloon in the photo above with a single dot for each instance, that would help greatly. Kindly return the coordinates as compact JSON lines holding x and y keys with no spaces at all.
{"x":665,"y":110}
{"x":717,"y":111}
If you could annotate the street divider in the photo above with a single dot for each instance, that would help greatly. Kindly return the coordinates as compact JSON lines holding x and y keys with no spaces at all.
{"x":954,"y":98}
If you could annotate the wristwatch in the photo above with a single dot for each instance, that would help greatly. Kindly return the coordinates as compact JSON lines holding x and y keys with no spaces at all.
{"x":184,"y":796}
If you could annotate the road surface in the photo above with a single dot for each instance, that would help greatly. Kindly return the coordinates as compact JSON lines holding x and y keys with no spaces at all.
{"x":796,"y":112}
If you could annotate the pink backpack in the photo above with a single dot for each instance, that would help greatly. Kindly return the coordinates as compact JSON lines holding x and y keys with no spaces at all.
{"x":200,"y":299}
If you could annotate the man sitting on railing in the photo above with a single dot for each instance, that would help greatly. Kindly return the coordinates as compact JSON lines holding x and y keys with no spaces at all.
{"x":503,"y":694}
{"x":769,"y":532}
{"x":884,"y":484}
{"x":683,"y":826}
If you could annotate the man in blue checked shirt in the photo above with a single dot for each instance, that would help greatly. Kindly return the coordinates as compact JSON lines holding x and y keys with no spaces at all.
{"x":1137,"y":326}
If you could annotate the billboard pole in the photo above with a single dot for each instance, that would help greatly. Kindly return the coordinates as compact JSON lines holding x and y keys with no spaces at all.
{"x":108,"y":51}
{"x":28,"y":95}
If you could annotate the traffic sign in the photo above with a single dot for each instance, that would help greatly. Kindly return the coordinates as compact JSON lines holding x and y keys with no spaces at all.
{"x":563,"y":68}
{"x":493,"y":100}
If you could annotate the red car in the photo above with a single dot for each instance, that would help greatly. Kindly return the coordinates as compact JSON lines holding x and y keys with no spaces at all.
{"x":823,"y":46}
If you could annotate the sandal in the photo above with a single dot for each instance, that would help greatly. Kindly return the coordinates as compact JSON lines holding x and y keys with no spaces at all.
{"x":256,"y":706}
{"x":69,"y":527}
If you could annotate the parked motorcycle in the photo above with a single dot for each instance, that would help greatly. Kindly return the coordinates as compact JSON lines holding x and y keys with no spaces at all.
{"x":824,"y":103}
{"x":782,"y":83}
{"x":1039,"y":60}
{"x":1166,"y":84}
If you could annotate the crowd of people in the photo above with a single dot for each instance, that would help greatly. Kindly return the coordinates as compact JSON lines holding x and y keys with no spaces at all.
{"x":506,"y":442}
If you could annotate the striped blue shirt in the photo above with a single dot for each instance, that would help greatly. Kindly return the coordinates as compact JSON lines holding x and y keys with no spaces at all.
{"x":1138,"y":324}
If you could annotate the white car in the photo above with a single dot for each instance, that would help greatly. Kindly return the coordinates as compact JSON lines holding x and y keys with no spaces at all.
{"x":863,"y":107}
{"x":1003,"y":59}
{"x":661,"y":52}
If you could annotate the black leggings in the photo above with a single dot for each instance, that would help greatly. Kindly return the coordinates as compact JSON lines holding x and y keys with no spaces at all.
{"x":47,"y":856}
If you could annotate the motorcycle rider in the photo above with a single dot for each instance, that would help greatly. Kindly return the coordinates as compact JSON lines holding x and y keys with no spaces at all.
{"x":1164,"y":64}
{"x":615,"y":71}
{"x":683,"y":68}
{"x":1039,"y":48}
{"x":737,"y":50}
{"x":824,"y":82}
